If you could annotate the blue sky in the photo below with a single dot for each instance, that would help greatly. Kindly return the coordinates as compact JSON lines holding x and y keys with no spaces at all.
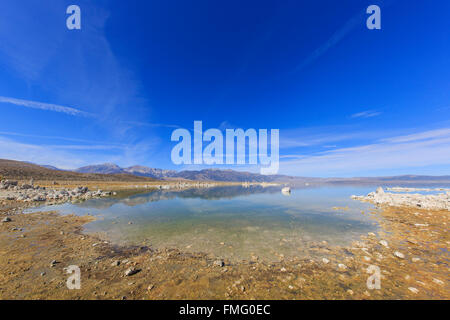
{"x":348,"y":101}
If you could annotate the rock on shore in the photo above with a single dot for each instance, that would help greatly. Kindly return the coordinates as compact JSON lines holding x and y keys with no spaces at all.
{"x":10,"y":190}
{"x":440,"y":201}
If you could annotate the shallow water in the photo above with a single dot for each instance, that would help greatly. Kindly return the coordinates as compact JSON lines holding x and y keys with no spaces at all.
{"x":231,"y":222}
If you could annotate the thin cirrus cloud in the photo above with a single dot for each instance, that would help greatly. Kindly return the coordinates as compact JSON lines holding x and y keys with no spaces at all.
{"x":426,"y":135}
{"x":406,"y":152}
{"x":17,"y":134}
{"x":337,"y":37}
{"x":356,"y":20}
{"x":325,"y":136}
{"x":14,"y":150}
{"x":73,"y":156}
{"x":44,"y":106}
{"x":366,"y":114}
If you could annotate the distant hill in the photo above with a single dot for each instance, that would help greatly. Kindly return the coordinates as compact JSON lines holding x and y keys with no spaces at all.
{"x":18,"y":170}
{"x":150,"y":172}
{"x":112,"y":172}
{"x":111,"y":168}
{"x":106,"y":168}
{"x":50,"y":167}
{"x":242,"y":176}
{"x":43,"y":165}
{"x":200,"y":175}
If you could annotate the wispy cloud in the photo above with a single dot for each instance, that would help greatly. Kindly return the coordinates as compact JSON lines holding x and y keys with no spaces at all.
{"x":73,"y":156}
{"x":17,"y":134}
{"x":426,"y":135}
{"x":332,"y":41}
{"x":292,"y":156}
{"x":151,"y":125}
{"x":94,"y":81}
{"x":326,"y":136}
{"x":43,"y":106}
{"x":10,"y":149}
{"x":85,"y":147}
{"x":366,"y":114}
{"x":358,"y":19}
{"x":395,"y":154}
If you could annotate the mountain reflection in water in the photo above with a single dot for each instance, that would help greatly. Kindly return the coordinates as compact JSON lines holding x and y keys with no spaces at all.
{"x":232,"y":222}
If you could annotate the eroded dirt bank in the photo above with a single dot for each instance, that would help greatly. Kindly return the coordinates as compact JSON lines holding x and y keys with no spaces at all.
{"x":35,"y":249}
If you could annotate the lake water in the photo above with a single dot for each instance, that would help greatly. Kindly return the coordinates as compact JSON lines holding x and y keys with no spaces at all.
{"x":231,"y":222}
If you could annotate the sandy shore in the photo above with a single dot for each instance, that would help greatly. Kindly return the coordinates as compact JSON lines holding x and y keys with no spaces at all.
{"x":411,"y":252}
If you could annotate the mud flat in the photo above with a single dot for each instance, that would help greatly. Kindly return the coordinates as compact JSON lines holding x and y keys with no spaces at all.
{"x":411,"y":252}
{"x":440,"y":201}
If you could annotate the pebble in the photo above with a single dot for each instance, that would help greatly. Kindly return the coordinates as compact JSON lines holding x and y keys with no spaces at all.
{"x":115,"y":263}
{"x":342,"y":266}
{"x":415,"y":259}
{"x":131,"y":271}
{"x":6,"y":219}
{"x":325,"y":260}
{"x":150,"y":287}
{"x":440,"y":282}
{"x":219,"y":263}
{"x":398,"y":254}
{"x":413,"y":290}
{"x":384,"y":243}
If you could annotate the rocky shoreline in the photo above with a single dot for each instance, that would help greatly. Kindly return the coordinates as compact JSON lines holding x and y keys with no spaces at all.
{"x":28,"y":192}
{"x":439,"y":201}
{"x":410,"y":250}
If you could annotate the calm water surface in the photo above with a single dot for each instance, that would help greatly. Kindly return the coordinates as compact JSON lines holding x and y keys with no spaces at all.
{"x":231,"y":222}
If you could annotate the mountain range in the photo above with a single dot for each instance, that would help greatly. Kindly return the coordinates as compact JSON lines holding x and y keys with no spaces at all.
{"x":241,"y":176}
{"x":112,"y":172}
{"x":205,"y":174}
